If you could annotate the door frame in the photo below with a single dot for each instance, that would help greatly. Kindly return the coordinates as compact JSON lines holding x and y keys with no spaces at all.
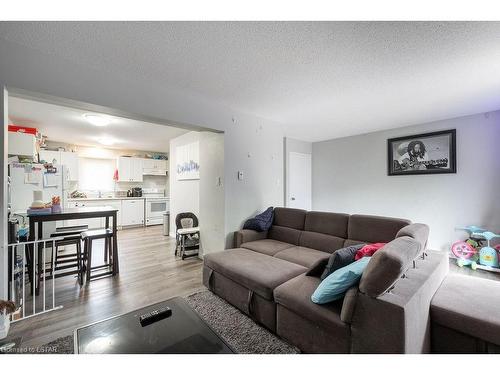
{"x":4,"y":121}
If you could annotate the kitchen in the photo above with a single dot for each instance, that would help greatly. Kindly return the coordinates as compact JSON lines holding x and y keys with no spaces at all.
{"x":100,"y":160}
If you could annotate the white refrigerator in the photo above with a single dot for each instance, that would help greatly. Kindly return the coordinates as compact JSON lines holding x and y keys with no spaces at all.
{"x":25,"y":178}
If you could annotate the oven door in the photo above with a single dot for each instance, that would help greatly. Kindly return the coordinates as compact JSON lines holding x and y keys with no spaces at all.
{"x":155,"y":208}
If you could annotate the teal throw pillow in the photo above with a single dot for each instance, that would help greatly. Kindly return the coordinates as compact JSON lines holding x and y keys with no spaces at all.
{"x":336,"y":284}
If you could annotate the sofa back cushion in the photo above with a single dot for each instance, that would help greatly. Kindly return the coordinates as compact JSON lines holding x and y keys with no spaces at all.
{"x":289,"y":217}
{"x":320,"y":241}
{"x":284,"y":234}
{"x":330,"y":223}
{"x":371,"y":229}
{"x":325,"y":231}
{"x":388,"y":264}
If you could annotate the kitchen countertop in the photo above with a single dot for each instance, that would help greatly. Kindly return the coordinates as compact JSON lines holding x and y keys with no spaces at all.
{"x":102,"y":199}
{"x":108,"y":199}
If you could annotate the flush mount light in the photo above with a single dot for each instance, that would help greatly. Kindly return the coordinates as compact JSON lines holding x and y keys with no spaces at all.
{"x":106,"y":141}
{"x":97,"y":120}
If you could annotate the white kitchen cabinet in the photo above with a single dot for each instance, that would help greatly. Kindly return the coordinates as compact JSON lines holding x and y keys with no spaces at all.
{"x":132,"y":212}
{"x":148,"y":163}
{"x":68,"y":159}
{"x":160,"y":164}
{"x":154,"y":167}
{"x":129,"y":169}
{"x":49,"y":156}
{"x":115,"y":203}
{"x":93,"y":223}
{"x":22,"y":144}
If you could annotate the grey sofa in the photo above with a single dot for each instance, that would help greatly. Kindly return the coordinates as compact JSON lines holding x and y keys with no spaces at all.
{"x":267,"y":275}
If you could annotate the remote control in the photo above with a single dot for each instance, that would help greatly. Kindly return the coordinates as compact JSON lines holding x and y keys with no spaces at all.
{"x":155,"y":315}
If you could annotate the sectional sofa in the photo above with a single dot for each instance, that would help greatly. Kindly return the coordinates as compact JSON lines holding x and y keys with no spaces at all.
{"x":271,"y":276}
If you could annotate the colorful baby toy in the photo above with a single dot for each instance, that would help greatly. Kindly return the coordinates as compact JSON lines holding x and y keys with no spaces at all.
{"x":471,"y":252}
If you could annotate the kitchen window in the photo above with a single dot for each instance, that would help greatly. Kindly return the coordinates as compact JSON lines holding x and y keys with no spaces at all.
{"x":96,"y":174}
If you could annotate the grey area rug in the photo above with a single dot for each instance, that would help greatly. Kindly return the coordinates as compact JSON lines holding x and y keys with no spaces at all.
{"x":243,"y":334}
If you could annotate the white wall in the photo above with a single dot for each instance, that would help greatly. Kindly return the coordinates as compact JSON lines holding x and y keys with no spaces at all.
{"x":203,"y":197}
{"x":350,"y":175}
{"x":184,"y":194}
{"x":293,"y":145}
{"x":211,"y":192}
{"x":28,"y":69}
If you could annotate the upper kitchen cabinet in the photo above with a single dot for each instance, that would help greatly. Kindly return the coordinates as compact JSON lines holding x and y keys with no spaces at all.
{"x":154,"y":167}
{"x":129,"y":169}
{"x":68,"y":159}
{"x":22,"y":144}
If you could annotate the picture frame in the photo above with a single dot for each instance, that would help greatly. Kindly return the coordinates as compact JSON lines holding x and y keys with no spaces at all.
{"x":427,"y":153}
{"x":188,"y":162}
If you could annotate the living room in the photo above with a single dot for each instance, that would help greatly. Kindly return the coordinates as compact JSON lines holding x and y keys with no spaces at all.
{"x":373,"y":141}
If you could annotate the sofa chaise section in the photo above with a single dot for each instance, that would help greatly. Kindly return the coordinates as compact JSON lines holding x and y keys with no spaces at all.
{"x":312,"y":328}
{"x":247,"y":279}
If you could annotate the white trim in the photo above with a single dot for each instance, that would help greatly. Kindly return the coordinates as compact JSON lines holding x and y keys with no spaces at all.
{"x":4,"y":121}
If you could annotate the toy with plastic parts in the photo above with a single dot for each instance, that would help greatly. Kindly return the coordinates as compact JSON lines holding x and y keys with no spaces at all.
{"x":471,"y":252}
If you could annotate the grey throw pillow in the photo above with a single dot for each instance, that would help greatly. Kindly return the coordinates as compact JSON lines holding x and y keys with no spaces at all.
{"x":340,"y":258}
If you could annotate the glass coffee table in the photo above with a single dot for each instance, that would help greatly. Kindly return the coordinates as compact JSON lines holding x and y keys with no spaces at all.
{"x":184,"y":332}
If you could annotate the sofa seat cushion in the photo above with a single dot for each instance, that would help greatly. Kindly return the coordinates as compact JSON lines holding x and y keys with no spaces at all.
{"x":302,"y":255}
{"x":258,"y":272}
{"x":469,"y":305}
{"x":295,"y":295}
{"x":267,"y":246}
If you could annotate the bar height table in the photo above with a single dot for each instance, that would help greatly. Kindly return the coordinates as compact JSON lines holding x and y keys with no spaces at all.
{"x":36,"y":232}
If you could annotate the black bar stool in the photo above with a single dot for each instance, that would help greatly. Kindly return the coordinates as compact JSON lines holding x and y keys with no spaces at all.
{"x":109,"y":258}
{"x":71,"y":261}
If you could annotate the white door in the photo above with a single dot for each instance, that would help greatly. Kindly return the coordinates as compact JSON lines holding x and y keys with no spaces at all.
{"x":299,"y":181}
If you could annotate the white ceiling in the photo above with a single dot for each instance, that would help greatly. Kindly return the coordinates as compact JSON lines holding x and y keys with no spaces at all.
{"x":64,"y":124}
{"x":320,"y":79}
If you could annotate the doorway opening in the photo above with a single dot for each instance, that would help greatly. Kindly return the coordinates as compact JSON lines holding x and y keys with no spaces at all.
{"x":70,"y":157}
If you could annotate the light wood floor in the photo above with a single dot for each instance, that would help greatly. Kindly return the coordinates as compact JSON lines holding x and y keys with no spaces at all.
{"x":149,"y":273}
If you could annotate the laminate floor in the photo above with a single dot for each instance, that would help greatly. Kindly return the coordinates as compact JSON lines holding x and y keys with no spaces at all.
{"x":149,"y":273}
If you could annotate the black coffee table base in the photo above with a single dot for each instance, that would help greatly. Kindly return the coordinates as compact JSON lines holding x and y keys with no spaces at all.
{"x":184,"y":332}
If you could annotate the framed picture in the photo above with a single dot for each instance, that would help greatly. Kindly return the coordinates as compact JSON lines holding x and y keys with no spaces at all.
{"x":428,"y":153}
{"x":188,"y":162}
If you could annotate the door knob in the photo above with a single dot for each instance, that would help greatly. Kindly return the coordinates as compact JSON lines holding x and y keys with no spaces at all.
{"x":293,"y":198}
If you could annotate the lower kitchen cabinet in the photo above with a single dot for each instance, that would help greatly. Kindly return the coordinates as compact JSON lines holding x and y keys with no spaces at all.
{"x":132,"y":212}
{"x":94,"y":223}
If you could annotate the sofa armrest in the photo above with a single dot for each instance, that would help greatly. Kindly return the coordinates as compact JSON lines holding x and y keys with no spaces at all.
{"x":398,"y":321}
{"x":349,"y":304}
{"x":247,"y":235}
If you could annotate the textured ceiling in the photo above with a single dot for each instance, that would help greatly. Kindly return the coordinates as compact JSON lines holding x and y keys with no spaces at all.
{"x":68,"y":125}
{"x":320,"y":79}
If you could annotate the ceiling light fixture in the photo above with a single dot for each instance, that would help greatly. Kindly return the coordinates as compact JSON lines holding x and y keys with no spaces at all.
{"x":97,"y":120}
{"x":106,"y":141}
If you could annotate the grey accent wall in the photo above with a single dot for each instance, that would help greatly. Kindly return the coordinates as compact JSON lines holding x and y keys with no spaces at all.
{"x":350,"y":175}
{"x":252,"y":144}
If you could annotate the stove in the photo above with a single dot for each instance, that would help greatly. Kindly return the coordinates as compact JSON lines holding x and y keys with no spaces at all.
{"x":156,"y":205}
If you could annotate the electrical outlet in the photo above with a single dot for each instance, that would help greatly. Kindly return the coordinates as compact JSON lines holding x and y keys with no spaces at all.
{"x":240,"y":175}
